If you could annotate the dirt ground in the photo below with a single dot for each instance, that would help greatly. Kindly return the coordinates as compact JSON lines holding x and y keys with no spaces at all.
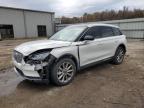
{"x":100,"y":86}
{"x":6,"y":48}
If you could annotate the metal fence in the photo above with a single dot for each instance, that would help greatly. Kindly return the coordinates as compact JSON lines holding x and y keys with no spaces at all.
{"x":132,"y":28}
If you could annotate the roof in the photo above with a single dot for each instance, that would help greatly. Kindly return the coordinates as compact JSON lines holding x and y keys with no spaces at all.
{"x":94,"y":24}
{"x":14,"y":8}
{"x":124,"y":20}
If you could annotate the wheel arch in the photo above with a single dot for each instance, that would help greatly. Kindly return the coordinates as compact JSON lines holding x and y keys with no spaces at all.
{"x":123,"y":46}
{"x":71,"y":57}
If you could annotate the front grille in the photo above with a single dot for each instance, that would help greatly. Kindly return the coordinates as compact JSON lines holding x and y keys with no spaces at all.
{"x":17,"y":56}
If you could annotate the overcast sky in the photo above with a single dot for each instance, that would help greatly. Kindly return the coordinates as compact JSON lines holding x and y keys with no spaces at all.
{"x":73,"y":7}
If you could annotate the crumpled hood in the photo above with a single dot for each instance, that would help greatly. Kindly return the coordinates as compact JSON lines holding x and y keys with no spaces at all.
{"x":30,"y":47}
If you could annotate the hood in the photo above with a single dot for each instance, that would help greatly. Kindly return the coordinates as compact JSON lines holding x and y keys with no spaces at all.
{"x":30,"y":47}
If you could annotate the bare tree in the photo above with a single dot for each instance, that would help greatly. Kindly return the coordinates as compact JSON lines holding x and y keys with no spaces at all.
{"x":105,"y":15}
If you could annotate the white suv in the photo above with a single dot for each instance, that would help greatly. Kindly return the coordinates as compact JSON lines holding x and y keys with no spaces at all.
{"x":69,"y":50}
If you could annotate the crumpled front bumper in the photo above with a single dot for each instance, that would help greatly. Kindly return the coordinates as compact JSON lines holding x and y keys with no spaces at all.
{"x":34,"y":72}
{"x":21,"y":73}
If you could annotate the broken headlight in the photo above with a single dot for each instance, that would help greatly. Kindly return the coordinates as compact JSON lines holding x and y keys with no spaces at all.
{"x":39,"y":56}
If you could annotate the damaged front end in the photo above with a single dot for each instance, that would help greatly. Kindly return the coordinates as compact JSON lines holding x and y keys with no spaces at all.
{"x":42,"y":61}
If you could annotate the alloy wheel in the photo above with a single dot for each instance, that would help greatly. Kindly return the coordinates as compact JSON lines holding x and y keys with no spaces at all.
{"x":120,"y":55}
{"x":65,"y":72}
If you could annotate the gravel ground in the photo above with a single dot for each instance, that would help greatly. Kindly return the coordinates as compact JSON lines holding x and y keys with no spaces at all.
{"x":100,"y":86}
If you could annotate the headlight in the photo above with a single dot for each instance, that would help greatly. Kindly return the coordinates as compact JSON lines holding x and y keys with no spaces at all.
{"x":39,"y":56}
{"x":17,"y":56}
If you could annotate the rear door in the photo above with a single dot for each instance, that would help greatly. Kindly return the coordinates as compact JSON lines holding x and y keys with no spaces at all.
{"x":108,"y":42}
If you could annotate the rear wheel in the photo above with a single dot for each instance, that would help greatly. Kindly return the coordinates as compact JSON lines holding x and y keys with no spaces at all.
{"x":119,"y":56}
{"x":63,"y":72}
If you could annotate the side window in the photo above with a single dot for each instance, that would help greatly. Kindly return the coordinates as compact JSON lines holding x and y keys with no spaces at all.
{"x":117,"y":32}
{"x":94,"y":31}
{"x":106,"y":32}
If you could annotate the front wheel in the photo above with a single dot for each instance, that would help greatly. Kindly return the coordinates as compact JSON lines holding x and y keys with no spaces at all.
{"x":63,"y":72}
{"x":119,"y":56}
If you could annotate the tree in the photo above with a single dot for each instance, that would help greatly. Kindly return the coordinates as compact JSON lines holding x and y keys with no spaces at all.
{"x":125,"y":13}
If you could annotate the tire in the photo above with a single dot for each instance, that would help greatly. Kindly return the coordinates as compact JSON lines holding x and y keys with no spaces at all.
{"x":63,"y":72}
{"x":119,"y":56}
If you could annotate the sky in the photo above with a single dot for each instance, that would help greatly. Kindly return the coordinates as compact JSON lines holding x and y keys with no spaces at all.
{"x":71,"y":8}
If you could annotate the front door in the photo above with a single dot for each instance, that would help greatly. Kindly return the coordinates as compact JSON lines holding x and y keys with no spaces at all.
{"x":90,"y":51}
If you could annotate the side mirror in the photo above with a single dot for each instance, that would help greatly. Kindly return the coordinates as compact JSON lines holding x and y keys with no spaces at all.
{"x":89,"y":37}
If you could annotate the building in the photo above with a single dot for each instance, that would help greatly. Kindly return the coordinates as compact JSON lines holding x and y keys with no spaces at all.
{"x":25,"y":23}
{"x":132,"y":28}
{"x":57,"y":21}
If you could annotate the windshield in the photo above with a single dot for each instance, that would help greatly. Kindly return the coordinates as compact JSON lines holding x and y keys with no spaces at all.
{"x":69,"y":33}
